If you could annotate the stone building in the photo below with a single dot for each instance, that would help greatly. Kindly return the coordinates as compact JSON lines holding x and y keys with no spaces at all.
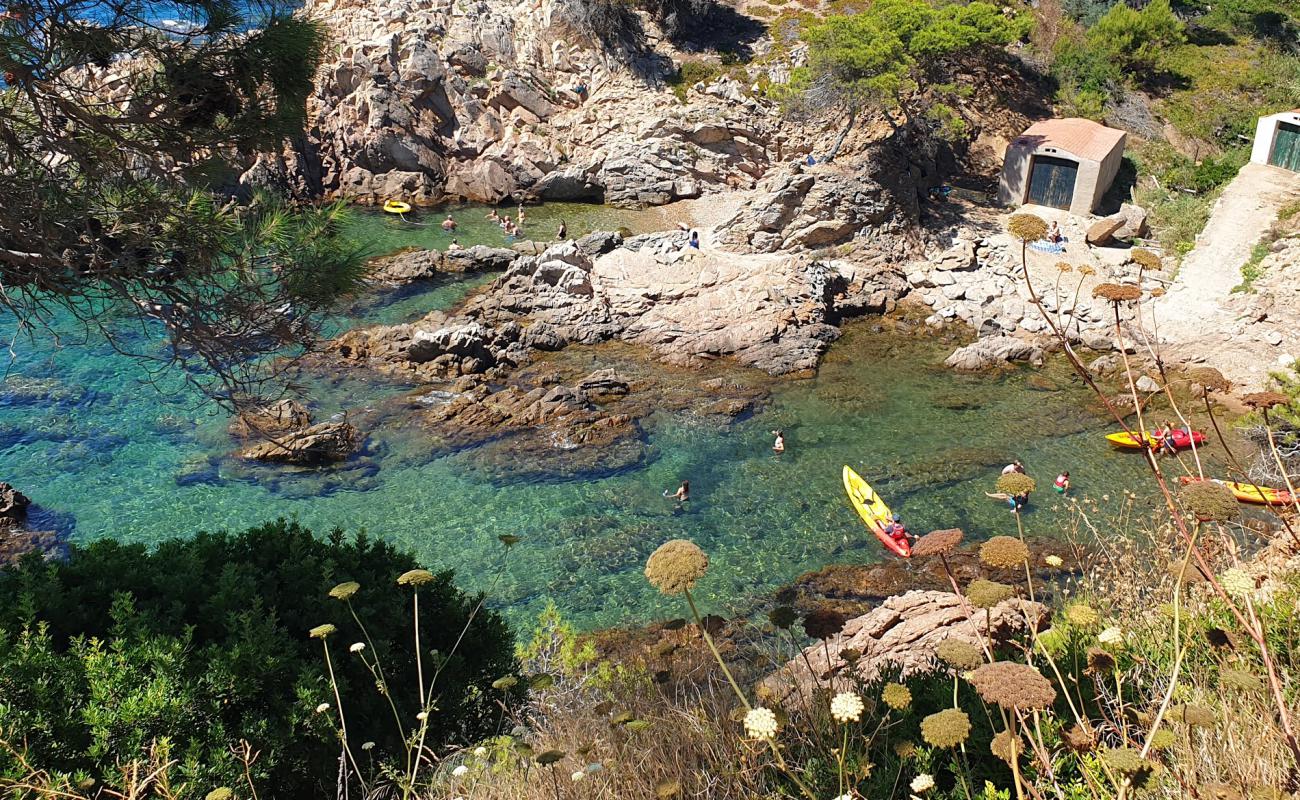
{"x":1277,"y":140}
{"x":1061,"y":163}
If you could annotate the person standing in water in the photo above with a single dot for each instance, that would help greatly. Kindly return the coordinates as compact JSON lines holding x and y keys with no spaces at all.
{"x":1063,"y":482}
{"x":563,"y":232}
{"x":449,"y":224}
{"x":682,"y":494}
{"x":520,"y":214}
{"x":778,"y":446}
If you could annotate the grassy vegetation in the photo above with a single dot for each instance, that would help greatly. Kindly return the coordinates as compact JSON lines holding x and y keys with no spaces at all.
{"x":690,"y":73}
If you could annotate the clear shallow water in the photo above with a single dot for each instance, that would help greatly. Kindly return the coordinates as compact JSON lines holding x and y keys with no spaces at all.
{"x":105,"y":455}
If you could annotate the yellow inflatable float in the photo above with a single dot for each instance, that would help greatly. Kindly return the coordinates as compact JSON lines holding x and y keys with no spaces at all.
{"x":397,"y":207}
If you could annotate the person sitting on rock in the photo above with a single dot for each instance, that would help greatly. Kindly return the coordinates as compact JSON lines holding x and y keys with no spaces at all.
{"x":449,"y":224}
{"x":455,"y":245}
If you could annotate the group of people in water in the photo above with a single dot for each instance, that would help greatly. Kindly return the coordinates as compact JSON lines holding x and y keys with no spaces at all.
{"x":512,"y":227}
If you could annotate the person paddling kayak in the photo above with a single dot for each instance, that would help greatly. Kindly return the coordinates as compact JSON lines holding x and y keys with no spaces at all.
{"x":896,"y":531}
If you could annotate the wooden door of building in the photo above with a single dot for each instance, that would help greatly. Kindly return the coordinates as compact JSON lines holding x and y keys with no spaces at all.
{"x":1051,"y":181}
{"x":1286,"y":147}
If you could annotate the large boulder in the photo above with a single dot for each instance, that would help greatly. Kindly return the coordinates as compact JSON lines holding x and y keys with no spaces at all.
{"x":992,"y":351}
{"x":278,"y":417}
{"x":13,"y":506}
{"x":323,"y":443}
{"x":903,"y":633}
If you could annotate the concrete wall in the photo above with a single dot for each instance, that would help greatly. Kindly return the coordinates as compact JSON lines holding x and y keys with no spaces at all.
{"x":1266,"y":134}
{"x":1106,"y":172}
{"x":1090,"y":183}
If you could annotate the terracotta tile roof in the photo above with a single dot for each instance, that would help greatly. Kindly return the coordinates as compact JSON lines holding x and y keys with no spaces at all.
{"x":1081,"y":137}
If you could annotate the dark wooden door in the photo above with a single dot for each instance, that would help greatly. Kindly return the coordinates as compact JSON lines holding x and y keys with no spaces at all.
{"x":1051,"y":181}
{"x":1286,"y":147}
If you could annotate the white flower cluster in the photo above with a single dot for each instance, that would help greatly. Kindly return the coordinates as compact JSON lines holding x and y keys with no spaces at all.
{"x":846,"y":707}
{"x":760,"y":723}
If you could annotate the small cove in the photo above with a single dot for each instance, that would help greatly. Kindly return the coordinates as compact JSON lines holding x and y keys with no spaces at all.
{"x":104,"y":454}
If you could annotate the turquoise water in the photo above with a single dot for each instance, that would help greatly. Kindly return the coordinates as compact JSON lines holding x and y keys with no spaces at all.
{"x":104,"y":454}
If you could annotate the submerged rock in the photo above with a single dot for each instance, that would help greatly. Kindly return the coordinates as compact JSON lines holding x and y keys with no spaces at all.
{"x":281,"y":416}
{"x":319,"y":444}
{"x":13,"y":506}
{"x":993,"y":351}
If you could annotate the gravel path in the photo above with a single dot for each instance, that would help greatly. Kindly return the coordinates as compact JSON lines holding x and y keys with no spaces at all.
{"x":1197,"y":320}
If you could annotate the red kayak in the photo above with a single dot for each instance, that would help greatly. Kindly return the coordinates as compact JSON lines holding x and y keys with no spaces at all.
{"x":1181,"y":440}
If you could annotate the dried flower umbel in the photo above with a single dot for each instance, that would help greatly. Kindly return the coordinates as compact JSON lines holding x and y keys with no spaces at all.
{"x":1004,"y":552}
{"x":1016,"y":484}
{"x":1082,"y":616}
{"x":948,"y":728}
{"x":937,"y":543}
{"x":896,"y":696}
{"x":1194,"y":715}
{"x":959,"y":654}
{"x":415,"y":577}
{"x":321,"y":631}
{"x":1027,"y":227}
{"x":676,"y":566}
{"x":1006,"y":746}
{"x":782,"y":617}
{"x":1240,"y":680}
{"x":987,"y":594}
{"x":1265,"y":400}
{"x":823,"y":623}
{"x":1013,"y":685}
{"x":345,"y":590}
{"x":1144,"y":258}
{"x":1116,"y":292}
{"x":1209,"y":501}
{"x":1210,"y":379}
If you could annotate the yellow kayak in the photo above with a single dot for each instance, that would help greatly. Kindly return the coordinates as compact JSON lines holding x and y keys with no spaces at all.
{"x":1246,"y":493}
{"x":873,"y":510}
{"x":397,"y":207}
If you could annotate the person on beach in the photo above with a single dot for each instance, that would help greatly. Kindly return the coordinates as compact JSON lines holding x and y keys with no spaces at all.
{"x":1054,"y":233}
{"x":449,"y":224}
{"x":779,"y":445}
{"x":695,"y":240}
{"x":1062,"y":484}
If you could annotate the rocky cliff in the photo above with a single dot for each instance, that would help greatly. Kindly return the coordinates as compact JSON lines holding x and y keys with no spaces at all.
{"x":435,"y":100}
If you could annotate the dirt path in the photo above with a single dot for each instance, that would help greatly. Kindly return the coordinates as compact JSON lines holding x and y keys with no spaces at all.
{"x":1198,"y":320}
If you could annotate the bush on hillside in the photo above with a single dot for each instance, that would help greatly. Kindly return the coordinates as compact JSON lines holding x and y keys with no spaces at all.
{"x":204,"y":642}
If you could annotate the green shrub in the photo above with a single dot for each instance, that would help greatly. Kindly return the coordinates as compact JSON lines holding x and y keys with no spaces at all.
{"x":203,"y":642}
{"x":691,"y":73}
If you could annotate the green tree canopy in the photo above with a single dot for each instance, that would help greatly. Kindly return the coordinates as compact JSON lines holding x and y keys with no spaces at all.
{"x":204,"y":642}
{"x":1134,"y":39}
{"x":887,"y":55}
{"x":114,"y":131}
